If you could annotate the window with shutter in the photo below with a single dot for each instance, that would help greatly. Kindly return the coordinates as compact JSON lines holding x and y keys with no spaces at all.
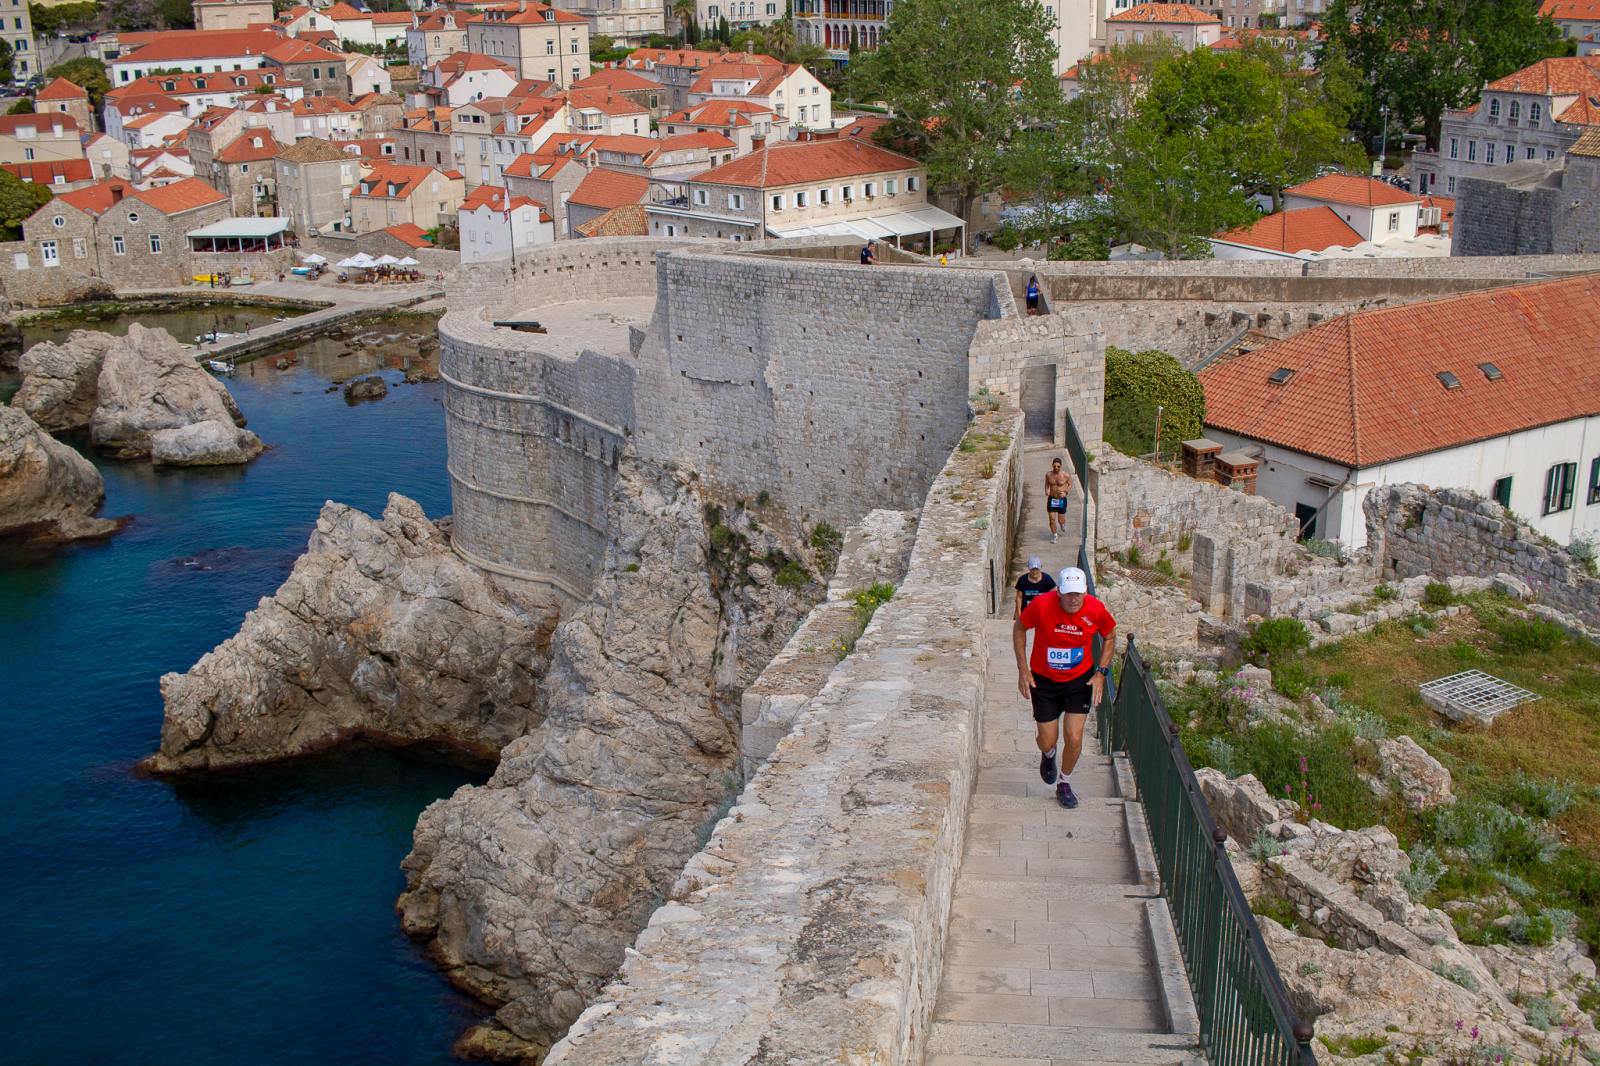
{"x":1559,"y":482}
{"x":1594,"y":480}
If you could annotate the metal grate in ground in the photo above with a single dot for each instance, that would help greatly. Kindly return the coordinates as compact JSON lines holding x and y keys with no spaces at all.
{"x":1473,"y":696}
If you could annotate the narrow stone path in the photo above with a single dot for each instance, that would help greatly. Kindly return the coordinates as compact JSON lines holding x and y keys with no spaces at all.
{"x":1050,"y":959}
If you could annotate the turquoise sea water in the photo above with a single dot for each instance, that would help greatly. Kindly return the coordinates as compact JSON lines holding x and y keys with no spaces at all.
{"x":241,"y":918}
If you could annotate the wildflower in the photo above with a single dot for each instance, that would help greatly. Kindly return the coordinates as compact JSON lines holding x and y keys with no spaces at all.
{"x":1475,"y":1035}
{"x":1285,"y":790}
{"x":1458,"y":1025}
{"x":1316,"y":806}
{"x":1304,"y":765}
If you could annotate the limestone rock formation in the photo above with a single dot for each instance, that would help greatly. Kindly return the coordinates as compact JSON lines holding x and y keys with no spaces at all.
{"x":147,"y":383}
{"x":1421,"y":779}
{"x":380,"y":630}
{"x":530,"y":888}
{"x":370,"y":387}
{"x":209,"y":443}
{"x":60,"y":381}
{"x":47,"y":490}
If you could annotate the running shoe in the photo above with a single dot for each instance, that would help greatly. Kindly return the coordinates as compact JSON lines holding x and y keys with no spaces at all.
{"x":1064,"y":795}
{"x":1047,"y":767}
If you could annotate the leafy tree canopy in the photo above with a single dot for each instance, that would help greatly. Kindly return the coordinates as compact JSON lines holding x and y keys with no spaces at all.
{"x":88,"y":74}
{"x":1138,"y":382}
{"x":962,"y":81}
{"x":21,"y":106}
{"x":80,"y":15}
{"x":7,"y":62}
{"x":18,"y":200}
{"x":1419,"y":57}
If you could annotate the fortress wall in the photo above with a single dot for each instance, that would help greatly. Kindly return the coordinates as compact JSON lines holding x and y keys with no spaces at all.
{"x":1497,"y":268}
{"x":534,"y":436}
{"x":812,"y":925}
{"x":833,"y":387}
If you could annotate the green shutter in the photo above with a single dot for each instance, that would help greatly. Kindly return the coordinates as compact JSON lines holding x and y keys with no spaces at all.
{"x":1594,"y":480}
{"x":1569,"y":482}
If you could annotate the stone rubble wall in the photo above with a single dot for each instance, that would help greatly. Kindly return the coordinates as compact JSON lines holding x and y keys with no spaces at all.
{"x":1145,"y":506}
{"x":1414,"y":530}
{"x":810,"y":929}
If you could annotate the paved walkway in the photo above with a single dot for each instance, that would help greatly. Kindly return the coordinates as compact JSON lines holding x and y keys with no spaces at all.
{"x":1050,"y":959}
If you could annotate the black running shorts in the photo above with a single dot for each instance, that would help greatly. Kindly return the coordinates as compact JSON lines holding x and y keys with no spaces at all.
{"x":1057,"y":504}
{"x":1052,"y":699}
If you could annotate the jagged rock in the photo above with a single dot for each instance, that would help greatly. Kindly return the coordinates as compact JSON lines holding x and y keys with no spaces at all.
{"x":1515,"y":587}
{"x":147,"y":383}
{"x":530,"y":888}
{"x":47,"y":490}
{"x":367,"y":388}
{"x":1242,"y":807}
{"x":1422,"y":780}
{"x":875,"y":549}
{"x":210,"y":443}
{"x":60,"y":381}
{"x":379,"y":630}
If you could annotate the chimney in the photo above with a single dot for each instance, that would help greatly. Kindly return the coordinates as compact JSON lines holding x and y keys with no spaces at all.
{"x":757,"y":143}
{"x":116,"y":192}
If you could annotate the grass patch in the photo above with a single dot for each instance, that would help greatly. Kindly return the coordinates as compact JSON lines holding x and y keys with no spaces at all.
{"x":1350,"y":1047}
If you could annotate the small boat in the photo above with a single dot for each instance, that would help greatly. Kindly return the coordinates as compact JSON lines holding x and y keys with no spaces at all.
{"x":212,"y":337}
{"x":218,"y":366}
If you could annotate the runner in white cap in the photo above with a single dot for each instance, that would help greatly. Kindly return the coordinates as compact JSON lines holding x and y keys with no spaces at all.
{"x":1060,"y":677}
{"x":1032,"y":584}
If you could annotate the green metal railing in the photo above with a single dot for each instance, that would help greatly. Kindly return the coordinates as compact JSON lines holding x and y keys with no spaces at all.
{"x":1245,"y":1014}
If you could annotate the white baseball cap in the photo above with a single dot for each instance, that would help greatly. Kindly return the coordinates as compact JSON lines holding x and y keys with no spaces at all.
{"x":1072,"y":580}
{"x":1034,"y":563}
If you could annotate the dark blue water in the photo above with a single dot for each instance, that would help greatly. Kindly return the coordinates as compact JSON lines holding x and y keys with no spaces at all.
{"x":245,"y":918}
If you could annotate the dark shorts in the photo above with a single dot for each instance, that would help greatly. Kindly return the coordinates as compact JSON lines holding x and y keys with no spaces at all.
{"x":1052,"y":699}
{"x":1057,"y":504}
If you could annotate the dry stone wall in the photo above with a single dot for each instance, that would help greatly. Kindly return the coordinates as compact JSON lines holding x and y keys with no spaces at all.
{"x":1150,"y":508}
{"x":1412,"y":530}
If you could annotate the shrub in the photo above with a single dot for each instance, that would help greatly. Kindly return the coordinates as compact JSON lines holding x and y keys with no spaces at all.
{"x":826,"y":542}
{"x":1136,"y":382}
{"x":1384,"y":592}
{"x":1264,"y":847}
{"x":791,"y":575}
{"x":1585,"y":551}
{"x":1352,"y":1047}
{"x":1279,"y":910}
{"x":1327,"y":549}
{"x":1540,"y":797}
{"x":1220,"y":756}
{"x":763,"y":497}
{"x":1438,"y":594}
{"x":1185,"y":540}
{"x":868,"y":600}
{"x":1291,"y":678}
{"x":1164,"y":566}
{"x":1524,"y":635}
{"x":1459,"y":975}
{"x":1426,"y":869}
{"x":1533,"y":929}
{"x":1276,"y":639}
{"x":1132,"y":556}
{"x":1541,"y":1013}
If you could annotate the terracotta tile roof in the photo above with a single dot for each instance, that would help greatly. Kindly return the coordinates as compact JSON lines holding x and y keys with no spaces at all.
{"x":708,"y":139}
{"x":188,"y":84}
{"x":1306,"y":229}
{"x":796,"y":162}
{"x":171,"y":199}
{"x":719,"y":112}
{"x":755,"y":72}
{"x":390,"y":181}
{"x":617,"y":80}
{"x":624,"y":143}
{"x":525,"y":13}
{"x":248,"y":147}
{"x":1352,"y":189}
{"x":391,"y":18}
{"x":625,"y":221}
{"x":62,"y":89}
{"x":609,"y":188}
{"x":1165,"y":13}
{"x":409,"y":233}
{"x":311,"y":150}
{"x":322,"y":105}
{"x":1584,"y":111}
{"x":138,"y":105}
{"x":1565,"y":76}
{"x":201,"y":44}
{"x":342,"y":11}
{"x":54,"y":172}
{"x":1365,"y":388}
{"x":1570,"y":9}
{"x":139,"y":122}
{"x":494,"y":198}
{"x":1447,"y":211}
{"x":457,"y":63}
{"x":521,"y":167}
{"x":9,"y":124}
{"x":604,"y":101}
{"x":646,"y":58}
{"x":293,"y":50}
{"x":1587,"y":145}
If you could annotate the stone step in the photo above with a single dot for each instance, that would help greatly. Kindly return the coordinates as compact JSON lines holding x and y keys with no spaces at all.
{"x":977,"y":886}
{"x":1080,"y":1045}
{"x":1087,"y":760}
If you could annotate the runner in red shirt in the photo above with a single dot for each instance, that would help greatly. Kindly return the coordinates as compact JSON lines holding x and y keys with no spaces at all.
{"x":1060,"y":676}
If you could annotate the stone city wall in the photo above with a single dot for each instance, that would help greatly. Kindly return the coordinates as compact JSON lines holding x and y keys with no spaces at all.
{"x":1412,"y":530}
{"x":811,"y":927}
{"x":1144,"y":506}
{"x":1497,"y":268}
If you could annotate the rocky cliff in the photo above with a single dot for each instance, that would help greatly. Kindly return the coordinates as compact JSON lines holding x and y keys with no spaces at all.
{"x":60,"y":382}
{"x":529,"y":889}
{"x":380,"y":630}
{"x":47,"y":490}
{"x":146,"y":384}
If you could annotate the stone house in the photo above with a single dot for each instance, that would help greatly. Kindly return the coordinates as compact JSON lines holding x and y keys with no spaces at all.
{"x":111,"y":230}
{"x":1534,"y":207}
{"x":600,"y":191}
{"x":319,"y":71}
{"x":1491,"y":391}
{"x":677,"y":156}
{"x":209,"y":134}
{"x":538,"y":41}
{"x":39,"y":138}
{"x":391,"y":193}
{"x":365,"y":75}
{"x":314,"y":179}
{"x":1185,"y":25}
{"x":327,"y":117}
{"x":109,"y":157}
{"x":63,"y":97}
{"x":244,"y":170}
{"x":424,"y":137}
{"x":798,"y":188}
{"x":1578,"y":19}
{"x":433,"y":35}
{"x":379,"y":112}
{"x":463,"y":77}
{"x":199,"y":92}
{"x":230,"y":14}
{"x":1535,"y":113}
{"x":676,"y":69}
{"x":791,"y":91}
{"x":1376,"y":210}
{"x":600,"y":111}
{"x":379,"y":28}
{"x":627,"y":24}
{"x":549,"y":178}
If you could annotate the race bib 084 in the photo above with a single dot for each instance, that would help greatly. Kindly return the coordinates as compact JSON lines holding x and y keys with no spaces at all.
{"x":1064,"y":658}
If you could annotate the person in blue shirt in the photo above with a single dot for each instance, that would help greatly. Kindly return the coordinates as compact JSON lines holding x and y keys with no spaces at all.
{"x":1033,"y":294}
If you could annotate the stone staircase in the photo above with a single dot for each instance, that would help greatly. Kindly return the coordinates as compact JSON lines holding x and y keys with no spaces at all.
{"x":1060,"y":950}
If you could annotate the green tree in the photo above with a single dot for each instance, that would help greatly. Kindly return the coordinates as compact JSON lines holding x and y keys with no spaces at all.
{"x":724,"y":31}
{"x":81,"y":15}
{"x":23,"y":106}
{"x":1420,"y":57}
{"x":7,"y":62}
{"x":1138,"y":382}
{"x":88,"y":74}
{"x":175,"y":14}
{"x":18,"y":200}
{"x":684,"y":12}
{"x":962,"y":82}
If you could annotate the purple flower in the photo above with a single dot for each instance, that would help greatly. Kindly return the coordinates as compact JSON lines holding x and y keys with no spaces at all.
{"x":1458,"y":1025}
{"x":1304,"y":765}
{"x":1285,"y":790}
{"x":1475,"y":1032}
{"x":1316,"y":806}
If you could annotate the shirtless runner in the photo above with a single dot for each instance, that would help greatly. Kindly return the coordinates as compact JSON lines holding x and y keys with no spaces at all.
{"x":1057,"y":485}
